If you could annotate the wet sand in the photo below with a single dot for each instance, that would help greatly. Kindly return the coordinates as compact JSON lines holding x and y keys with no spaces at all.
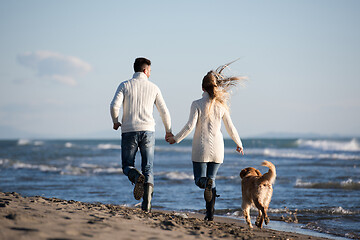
{"x":52,"y":218}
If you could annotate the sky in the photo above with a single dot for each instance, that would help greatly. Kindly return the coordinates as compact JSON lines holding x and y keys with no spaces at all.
{"x":61,"y":62}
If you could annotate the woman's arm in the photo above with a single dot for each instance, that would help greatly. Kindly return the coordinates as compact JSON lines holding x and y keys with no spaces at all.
{"x":230,"y":128}
{"x":189,"y":126}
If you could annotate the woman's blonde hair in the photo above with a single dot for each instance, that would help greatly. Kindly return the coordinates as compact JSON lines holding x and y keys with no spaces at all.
{"x":218,"y":86}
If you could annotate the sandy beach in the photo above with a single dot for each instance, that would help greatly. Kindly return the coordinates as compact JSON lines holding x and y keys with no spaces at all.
{"x":51,"y":218}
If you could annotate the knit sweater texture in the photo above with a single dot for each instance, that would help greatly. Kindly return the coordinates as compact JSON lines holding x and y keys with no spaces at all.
{"x":137,"y":96}
{"x":208,"y":142}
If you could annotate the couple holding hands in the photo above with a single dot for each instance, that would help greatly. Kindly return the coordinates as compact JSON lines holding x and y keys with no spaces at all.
{"x":137,"y":97}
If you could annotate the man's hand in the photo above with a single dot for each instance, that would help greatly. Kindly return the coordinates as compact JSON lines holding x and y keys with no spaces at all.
{"x":240,"y":150}
{"x":168,"y":135}
{"x":116,"y":126}
{"x":171,"y":140}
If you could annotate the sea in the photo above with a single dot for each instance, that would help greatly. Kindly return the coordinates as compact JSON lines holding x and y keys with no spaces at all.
{"x":317,"y":189}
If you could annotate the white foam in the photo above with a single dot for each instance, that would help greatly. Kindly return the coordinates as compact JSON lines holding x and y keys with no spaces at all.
{"x":46,"y":168}
{"x":278,"y":210}
{"x":38,"y":143}
{"x":72,"y":170}
{"x":300,"y":183}
{"x":234,"y":214}
{"x":348,"y":184}
{"x":340,"y":210}
{"x":172,"y":148}
{"x":43,"y":168}
{"x":88,"y":169}
{"x":22,"y":142}
{"x":109,"y":146}
{"x":108,"y":170}
{"x":22,"y":165}
{"x":331,"y":210}
{"x":4,"y":161}
{"x":301,"y":154}
{"x":334,"y":145}
{"x":69,"y":145}
{"x":176,"y":175}
{"x":286,"y":154}
{"x":339,"y":156}
{"x":88,"y":165}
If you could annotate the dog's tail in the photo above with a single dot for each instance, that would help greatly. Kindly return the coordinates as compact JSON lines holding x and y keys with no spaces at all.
{"x":271,"y":174}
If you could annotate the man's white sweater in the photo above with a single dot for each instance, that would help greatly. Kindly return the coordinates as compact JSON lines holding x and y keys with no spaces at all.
{"x":138,"y":96}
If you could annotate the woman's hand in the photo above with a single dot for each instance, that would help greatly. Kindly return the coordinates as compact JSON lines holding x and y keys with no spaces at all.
{"x":240,"y":150}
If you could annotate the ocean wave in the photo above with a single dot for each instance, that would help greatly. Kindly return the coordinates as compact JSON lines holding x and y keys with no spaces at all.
{"x":325,"y":211}
{"x":299,"y":154}
{"x":4,"y":161}
{"x":107,"y":170}
{"x":348,"y":185}
{"x":83,"y":169}
{"x":107,"y":146}
{"x":333,"y":145}
{"x":329,"y":211}
{"x":88,"y":165}
{"x":339,"y":156}
{"x":74,"y":170}
{"x":317,"y":211}
{"x":24,"y":142}
{"x":235,"y":177}
{"x":286,"y":154}
{"x":187,"y":149}
{"x":89,"y":169}
{"x":176,"y":175}
{"x":68,"y":145}
{"x":38,"y":143}
{"x":340,"y":210}
{"x":41,"y":167}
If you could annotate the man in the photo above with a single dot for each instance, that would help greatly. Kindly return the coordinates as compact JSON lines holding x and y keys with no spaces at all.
{"x":137,"y":97}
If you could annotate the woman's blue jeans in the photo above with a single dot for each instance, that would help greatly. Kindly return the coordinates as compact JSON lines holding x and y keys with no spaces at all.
{"x":130,"y":143}
{"x":206,"y":169}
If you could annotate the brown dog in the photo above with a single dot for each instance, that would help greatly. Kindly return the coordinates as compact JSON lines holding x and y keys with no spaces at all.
{"x":257,"y":190}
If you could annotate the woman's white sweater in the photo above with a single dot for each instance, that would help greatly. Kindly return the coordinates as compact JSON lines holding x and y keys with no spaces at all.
{"x":208,"y":142}
{"x":138,"y":96}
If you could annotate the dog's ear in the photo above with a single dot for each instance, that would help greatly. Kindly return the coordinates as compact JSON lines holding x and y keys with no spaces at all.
{"x":258,"y":172}
{"x":243,"y":173}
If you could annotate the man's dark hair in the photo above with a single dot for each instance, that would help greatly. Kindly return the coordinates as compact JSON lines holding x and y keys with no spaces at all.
{"x":140,"y":64}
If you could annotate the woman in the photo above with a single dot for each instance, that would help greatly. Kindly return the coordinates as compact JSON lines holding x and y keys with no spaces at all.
{"x":208,"y":144}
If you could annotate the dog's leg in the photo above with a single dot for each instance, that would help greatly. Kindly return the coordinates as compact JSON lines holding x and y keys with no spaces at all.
{"x":262,"y":214}
{"x":267,"y":219}
{"x":258,"y":219}
{"x":246,"y":212}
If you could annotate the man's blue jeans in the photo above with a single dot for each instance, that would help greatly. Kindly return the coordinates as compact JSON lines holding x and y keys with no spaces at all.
{"x":130,"y":143}
{"x":206,"y":169}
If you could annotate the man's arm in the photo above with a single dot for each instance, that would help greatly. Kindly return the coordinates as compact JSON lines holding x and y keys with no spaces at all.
{"x":115,"y":107}
{"x":164,"y":112}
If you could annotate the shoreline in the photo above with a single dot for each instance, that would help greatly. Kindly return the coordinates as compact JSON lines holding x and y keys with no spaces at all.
{"x":52,"y":218}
